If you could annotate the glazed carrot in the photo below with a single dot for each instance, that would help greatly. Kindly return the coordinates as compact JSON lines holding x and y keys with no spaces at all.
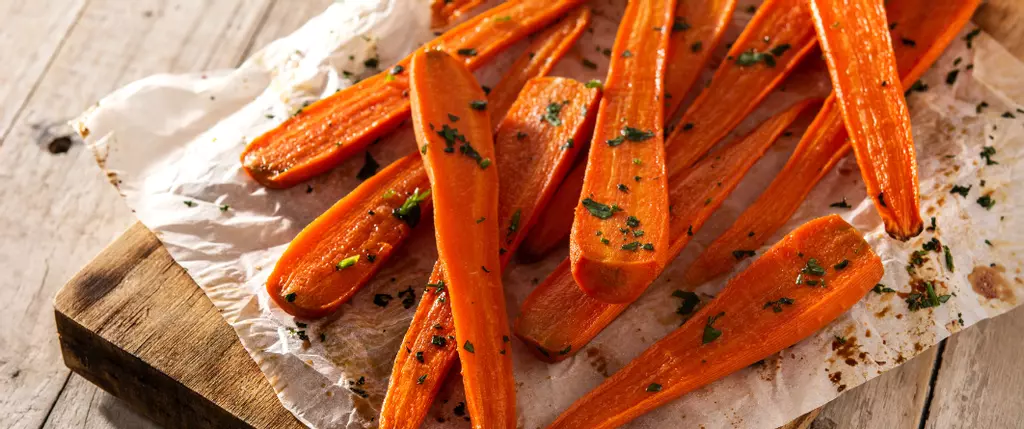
{"x":624,"y":184}
{"x":532,"y":156}
{"x":557,"y":319}
{"x":854,"y":36}
{"x":444,"y":12}
{"x":540,"y":57}
{"x":932,"y":26}
{"x":331,"y":130}
{"x":771,"y":305}
{"x":738,"y":86}
{"x":343,"y":248}
{"x":302,"y":269}
{"x":453,"y":131}
{"x":555,"y":222}
{"x":751,"y":71}
{"x":697,"y":28}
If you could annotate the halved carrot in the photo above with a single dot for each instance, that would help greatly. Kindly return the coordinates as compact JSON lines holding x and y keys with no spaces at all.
{"x":444,"y":12}
{"x":343,"y":248}
{"x":532,"y":156}
{"x":331,"y":130}
{"x":697,"y":28}
{"x":854,"y":36}
{"x":540,"y":57}
{"x":453,"y":131}
{"x":932,"y":26}
{"x":557,"y":319}
{"x":555,"y":222}
{"x":624,"y":184}
{"x":766,"y":308}
{"x":772,"y":44}
{"x":302,"y":268}
{"x":738,"y":86}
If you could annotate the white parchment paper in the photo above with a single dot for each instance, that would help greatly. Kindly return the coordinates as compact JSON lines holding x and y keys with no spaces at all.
{"x":171,"y":143}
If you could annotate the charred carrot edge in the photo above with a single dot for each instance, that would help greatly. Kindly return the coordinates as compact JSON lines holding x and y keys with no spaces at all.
{"x":557,"y":319}
{"x":344,"y":247}
{"x":458,"y":153}
{"x":932,"y":26}
{"x":331,"y":130}
{"x":540,"y":57}
{"x":766,"y":308}
{"x":855,"y":38}
{"x":735,"y":90}
{"x":374,"y":236}
{"x":555,"y":222}
{"x":444,"y":12}
{"x":532,"y":156}
{"x":625,"y":184}
{"x":751,"y":70}
{"x":697,"y":28}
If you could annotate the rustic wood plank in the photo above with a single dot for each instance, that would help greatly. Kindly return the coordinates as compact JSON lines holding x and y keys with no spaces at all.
{"x":58,"y":209}
{"x":83,"y":405}
{"x":1004,"y":20}
{"x":980,"y":377}
{"x":193,"y":375}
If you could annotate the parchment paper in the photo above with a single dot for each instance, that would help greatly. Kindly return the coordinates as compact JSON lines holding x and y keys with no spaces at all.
{"x":171,"y":143}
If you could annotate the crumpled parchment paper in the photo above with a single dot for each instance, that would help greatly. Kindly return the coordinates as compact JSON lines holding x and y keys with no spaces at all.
{"x":171,"y":143}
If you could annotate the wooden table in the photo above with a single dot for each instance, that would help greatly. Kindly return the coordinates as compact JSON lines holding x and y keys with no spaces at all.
{"x":60,"y":56}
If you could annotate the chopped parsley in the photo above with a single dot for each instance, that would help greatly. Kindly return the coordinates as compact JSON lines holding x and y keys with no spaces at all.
{"x":478,"y":104}
{"x":589,"y":64}
{"x":654,"y":388}
{"x":513,"y":224}
{"x":690,"y":301}
{"x":409,"y":212}
{"x":551,"y":113}
{"x":347,"y":262}
{"x":290,"y":297}
{"x":468,"y":346}
{"x":841,"y":265}
{"x":969,"y":38}
{"x":916,"y":301}
{"x":776,"y":305}
{"x":438,"y":340}
{"x":986,"y":154}
{"x":421,"y":379}
{"x":949,"y":258}
{"x":594,"y":83}
{"x":986,"y":201}
{"x":740,"y":254}
{"x":962,"y":190}
{"x":467,"y":52}
{"x":710,"y":333}
{"x":600,"y":211}
{"x":842,"y":204}
{"x":679,"y":24}
{"x":190,"y":203}
{"x":881,"y":288}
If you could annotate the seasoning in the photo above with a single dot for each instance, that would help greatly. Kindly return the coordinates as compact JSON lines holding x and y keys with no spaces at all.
{"x":776,"y":305}
{"x":467,"y":52}
{"x":347,"y":262}
{"x":478,"y":104}
{"x":410,"y":212}
{"x":710,"y":333}
{"x":468,"y":346}
{"x":690,"y":301}
{"x":382,"y":299}
{"x":598,"y":210}
{"x":962,"y":190}
{"x":654,"y":388}
{"x":986,"y":201}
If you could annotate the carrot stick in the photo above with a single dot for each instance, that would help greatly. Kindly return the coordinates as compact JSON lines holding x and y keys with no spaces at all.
{"x":932,"y":26}
{"x":540,"y":57}
{"x":766,"y":308}
{"x":854,"y":36}
{"x":751,"y":71}
{"x":557,"y":319}
{"x":343,"y":248}
{"x":454,"y":134}
{"x":302,"y":270}
{"x":444,"y":12}
{"x":734,"y":91}
{"x":531,"y":156}
{"x":624,"y":184}
{"x":697,"y":28}
{"x":331,"y":130}
{"x":555,"y":222}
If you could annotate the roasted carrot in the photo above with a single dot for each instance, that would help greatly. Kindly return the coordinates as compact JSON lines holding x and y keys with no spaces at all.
{"x":444,"y":12}
{"x":752,"y":70}
{"x":331,"y":130}
{"x":555,"y":222}
{"x":328,"y":237}
{"x":557,"y":319}
{"x":932,"y":26}
{"x":775,"y":303}
{"x":453,"y":132}
{"x":532,"y":156}
{"x":624,"y":184}
{"x":697,"y":28}
{"x":540,"y":57}
{"x":343,"y":248}
{"x":855,"y":38}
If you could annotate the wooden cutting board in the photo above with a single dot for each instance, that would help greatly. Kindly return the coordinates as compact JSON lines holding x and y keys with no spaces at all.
{"x":134,"y":323}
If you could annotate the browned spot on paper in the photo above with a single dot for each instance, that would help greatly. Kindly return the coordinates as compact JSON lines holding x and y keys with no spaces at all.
{"x":883,"y":312}
{"x":990,"y":283}
{"x":597,"y":361}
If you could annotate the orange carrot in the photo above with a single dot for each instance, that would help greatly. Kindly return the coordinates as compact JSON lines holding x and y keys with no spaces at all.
{"x":531,"y":156}
{"x":932,"y":26}
{"x":768,"y":307}
{"x":697,"y":28}
{"x":555,"y":222}
{"x":323,"y":290}
{"x":444,"y":12}
{"x":751,"y":71}
{"x":624,"y":184}
{"x":557,"y":319}
{"x":854,"y":36}
{"x":331,"y":130}
{"x":540,"y":57}
{"x":453,"y":131}
{"x":343,"y":248}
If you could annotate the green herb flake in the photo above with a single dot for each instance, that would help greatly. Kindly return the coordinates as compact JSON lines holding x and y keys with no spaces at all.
{"x":776,"y":305}
{"x":438,"y":340}
{"x":710,"y":333}
{"x":962,"y":190}
{"x":690,"y":301}
{"x":653,"y":388}
{"x":421,"y":379}
{"x":468,"y":346}
{"x":467,"y":52}
{"x":679,"y":24}
{"x":631,"y":246}
{"x":627,"y":54}
{"x":551,"y":113}
{"x":949,"y":258}
{"x":290,"y":297}
{"x":969,"y":38}
{"x":986,"y":154}
{"x":478,"y":104}
{"x":347,"y":262}
{"x":382,"y":299}
{"x":842,"y":264}
{"x":881,"y":288}
{"x":986,"y":201}
{"x":513,"y":224}
{"x":589,"y":64}
{"x":224,"y":207}
{"x":410,"y":212}
{"x":598,"y":210}
{"x":594,"y":83}
{"x":190,"y":203}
